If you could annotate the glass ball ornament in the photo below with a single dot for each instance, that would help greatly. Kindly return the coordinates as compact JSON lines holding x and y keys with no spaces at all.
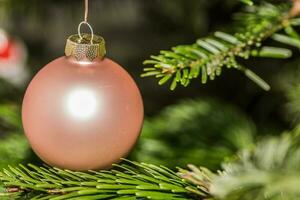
{"x":82,"y":111}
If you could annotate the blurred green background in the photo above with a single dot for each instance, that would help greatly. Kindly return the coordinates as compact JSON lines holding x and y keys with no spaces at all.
{"x":201,"y":124}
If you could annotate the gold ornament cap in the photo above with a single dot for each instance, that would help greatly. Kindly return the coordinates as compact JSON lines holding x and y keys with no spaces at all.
{"x":85,"y":46}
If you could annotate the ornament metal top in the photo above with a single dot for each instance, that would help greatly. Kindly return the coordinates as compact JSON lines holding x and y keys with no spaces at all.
{"x":85,"y":46}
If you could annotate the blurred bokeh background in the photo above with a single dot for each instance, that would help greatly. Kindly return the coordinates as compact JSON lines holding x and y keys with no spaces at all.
{"x":201,"y":124}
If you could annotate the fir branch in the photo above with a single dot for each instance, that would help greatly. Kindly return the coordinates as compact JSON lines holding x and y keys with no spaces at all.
{"x":269,"y":171}
{"x":207,"y":57}
{"x":220,"y":131}
{"x":130,"y":180}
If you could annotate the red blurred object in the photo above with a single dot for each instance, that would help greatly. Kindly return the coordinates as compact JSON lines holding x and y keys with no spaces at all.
{"x":13,"y":56}
{"x":7,"y":51}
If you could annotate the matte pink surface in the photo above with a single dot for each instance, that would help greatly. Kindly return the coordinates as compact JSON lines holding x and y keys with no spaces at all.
{"x":82,"y":116}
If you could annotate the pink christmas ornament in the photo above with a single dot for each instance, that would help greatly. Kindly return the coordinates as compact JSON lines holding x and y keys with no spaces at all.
{"x":82,"y":111}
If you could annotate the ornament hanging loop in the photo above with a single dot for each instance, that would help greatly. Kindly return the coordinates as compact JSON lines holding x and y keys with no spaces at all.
{"x":84,"y":46}
{"x":90,"y":27}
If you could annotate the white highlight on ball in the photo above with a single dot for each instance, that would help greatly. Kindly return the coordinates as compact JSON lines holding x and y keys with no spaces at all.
{"x":82,"y":103}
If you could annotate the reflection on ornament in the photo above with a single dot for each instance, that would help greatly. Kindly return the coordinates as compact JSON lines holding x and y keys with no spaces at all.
{"x":82,"y":104}
{"x":13,"y":56}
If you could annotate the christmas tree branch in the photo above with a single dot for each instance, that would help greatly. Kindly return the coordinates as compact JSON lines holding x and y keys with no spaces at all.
{"x":130,"y":180}
{"x":207,"y":57}
{"x":270,"y":171}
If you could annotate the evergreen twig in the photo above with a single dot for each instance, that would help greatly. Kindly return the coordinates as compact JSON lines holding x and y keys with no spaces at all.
{"x":200,"y":143}
{"x":269,"y":171}
{"x":207,"y":57}
{"x":130,"y":180}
